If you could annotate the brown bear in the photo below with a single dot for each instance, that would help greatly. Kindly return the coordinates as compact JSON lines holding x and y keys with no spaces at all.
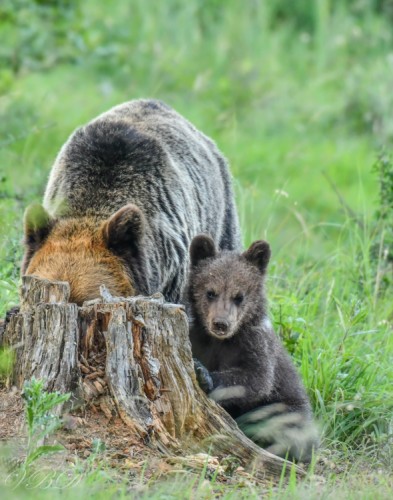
{"x":240,"y":362}
{"x":125,"y":196}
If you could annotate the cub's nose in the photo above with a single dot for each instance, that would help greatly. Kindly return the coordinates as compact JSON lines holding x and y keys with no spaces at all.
{"x":221,"y":325}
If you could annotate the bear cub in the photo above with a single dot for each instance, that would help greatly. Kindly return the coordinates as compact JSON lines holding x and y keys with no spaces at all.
{"x":239,"y":361}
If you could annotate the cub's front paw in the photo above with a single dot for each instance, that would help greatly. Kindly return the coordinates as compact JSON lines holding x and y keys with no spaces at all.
{"x":203,"y":376}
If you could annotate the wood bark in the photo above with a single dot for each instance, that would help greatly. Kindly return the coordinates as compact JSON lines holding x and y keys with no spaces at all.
{"x":133,"y":356}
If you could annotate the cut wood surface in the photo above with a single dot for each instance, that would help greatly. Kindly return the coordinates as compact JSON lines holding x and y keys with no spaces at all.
{"x":133,"y":357}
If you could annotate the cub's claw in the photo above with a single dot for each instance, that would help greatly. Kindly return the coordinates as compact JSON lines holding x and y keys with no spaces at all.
{"x":203,"y":376}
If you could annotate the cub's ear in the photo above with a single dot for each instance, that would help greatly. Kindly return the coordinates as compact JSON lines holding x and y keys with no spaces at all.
{"x":258,"y":254}
{"x":202,"y":247}
{"x":124,"y":230}
{"x":37,"y":226}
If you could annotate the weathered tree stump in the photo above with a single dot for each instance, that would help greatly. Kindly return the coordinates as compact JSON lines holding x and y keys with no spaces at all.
{"x":134,"y":357}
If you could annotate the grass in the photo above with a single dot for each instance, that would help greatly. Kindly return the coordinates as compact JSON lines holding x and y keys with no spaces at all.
{"x":298,"y":97}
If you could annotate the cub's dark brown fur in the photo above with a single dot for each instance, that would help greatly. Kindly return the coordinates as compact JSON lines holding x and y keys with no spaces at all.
{"x":239,"y":360}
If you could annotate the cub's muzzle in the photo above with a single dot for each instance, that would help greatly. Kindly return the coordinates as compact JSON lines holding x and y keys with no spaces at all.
{"x":220,"y":326}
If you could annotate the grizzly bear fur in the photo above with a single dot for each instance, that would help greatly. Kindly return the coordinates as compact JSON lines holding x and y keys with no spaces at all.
{"x":125,"y":196}
{"x":239,"y":360}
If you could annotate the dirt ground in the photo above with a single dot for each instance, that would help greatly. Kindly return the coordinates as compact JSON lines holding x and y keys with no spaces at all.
{"x":89,"y":430}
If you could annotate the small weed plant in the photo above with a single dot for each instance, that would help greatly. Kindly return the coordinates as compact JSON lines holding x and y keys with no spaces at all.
{"x":41,"y":422}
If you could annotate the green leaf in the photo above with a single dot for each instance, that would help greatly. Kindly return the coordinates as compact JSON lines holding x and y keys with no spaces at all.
{"x":42,"y":450}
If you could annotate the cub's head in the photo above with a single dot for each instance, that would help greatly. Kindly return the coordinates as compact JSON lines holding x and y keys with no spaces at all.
{"x":86,"y":252}
{"x":226,"y":289}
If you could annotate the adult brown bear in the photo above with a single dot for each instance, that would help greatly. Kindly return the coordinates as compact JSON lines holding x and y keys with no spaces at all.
{"x":125,"y":197}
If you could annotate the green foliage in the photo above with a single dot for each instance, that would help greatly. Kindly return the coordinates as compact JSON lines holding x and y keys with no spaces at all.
{"x":10,"y":255}
{"x":382,"y":243}
{"x":384,"y":170}
{"x":6,"y":362}
{"x":40,"y":422}
{"x":29,"y":27}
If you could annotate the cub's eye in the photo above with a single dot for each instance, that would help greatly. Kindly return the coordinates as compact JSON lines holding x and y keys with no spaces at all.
{"x":238,"y":299}
{"x":211,"y":295}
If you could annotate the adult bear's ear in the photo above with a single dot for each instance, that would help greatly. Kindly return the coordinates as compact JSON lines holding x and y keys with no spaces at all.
{"x":124,"y":230}
{"x":37,"y":226}
{"x":202,"y":247}
{"x":123,"y":234}
{"x":258,"y":254}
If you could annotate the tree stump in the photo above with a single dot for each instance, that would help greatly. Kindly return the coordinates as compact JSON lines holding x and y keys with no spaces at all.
{"x":134,"y":356}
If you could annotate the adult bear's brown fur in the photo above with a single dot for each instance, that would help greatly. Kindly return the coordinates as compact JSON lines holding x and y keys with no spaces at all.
{"x":239,"y":360}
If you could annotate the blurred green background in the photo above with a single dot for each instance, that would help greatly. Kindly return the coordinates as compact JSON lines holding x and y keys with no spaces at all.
{"x":298,"y":96}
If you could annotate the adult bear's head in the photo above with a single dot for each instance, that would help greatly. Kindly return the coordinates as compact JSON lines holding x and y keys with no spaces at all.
{"x":87,"y":252}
